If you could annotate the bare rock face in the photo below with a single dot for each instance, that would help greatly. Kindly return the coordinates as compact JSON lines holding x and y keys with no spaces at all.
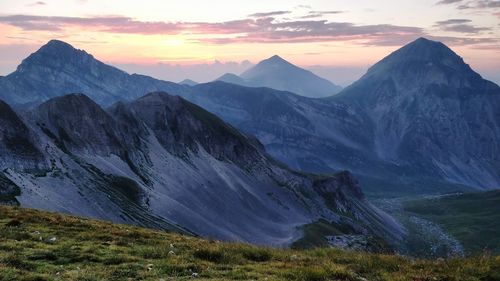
{"x":17,"y":145}
{"x":181,"y":126}
{"x":78,"y":124}
{"x":433,"y":113}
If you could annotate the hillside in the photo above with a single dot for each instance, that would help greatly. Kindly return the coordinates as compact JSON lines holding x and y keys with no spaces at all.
{"x":162,"y":162}
{"x":38,"y":245}
{"x":473,"y":219}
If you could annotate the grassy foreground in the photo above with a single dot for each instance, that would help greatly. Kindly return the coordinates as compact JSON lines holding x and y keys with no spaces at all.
{"x":37,"y":245}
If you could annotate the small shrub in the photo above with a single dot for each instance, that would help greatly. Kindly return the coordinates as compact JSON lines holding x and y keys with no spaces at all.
{"x":257,"y":255}
{"x":215,"y":256}
{"x":13,"y":223}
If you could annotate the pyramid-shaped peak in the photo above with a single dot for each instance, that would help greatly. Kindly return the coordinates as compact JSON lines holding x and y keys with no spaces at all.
{"x":422,"y":52}
{"x":58,"y":44}
{"x":425,"y":49}
{"x":60,"y":50}
{"x":423,"y":41}
{"x":275,"y":60}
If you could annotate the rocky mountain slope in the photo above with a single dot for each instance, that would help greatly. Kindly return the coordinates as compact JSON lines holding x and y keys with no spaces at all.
{"x":419,"y":119}
{"x":58,"y":69}
{"x":392,"y":128}
{"x":433,"y":113}
{"x":279,"y":74}
{"x":161,"y":161}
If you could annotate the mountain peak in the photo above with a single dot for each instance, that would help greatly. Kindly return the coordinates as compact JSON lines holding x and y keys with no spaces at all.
{"x":61,"y":49}
{"x":231,"y":78}
{"x":77,"y":123}
{"x":188,"y":82}
{"x":275,"y":60}
{"x":57,"y":44}
{"x":420,"y":56}
{"x":54,"y":54}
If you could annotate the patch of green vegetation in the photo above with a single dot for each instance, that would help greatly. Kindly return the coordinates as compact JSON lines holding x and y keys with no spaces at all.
{"x":471,"y":218}
{"x":37,"y":245}
{"x":314,"y":234}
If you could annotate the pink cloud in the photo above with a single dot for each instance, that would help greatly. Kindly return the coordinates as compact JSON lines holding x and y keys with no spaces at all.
{"x":259,"y":29}
{"x":248,"y":30}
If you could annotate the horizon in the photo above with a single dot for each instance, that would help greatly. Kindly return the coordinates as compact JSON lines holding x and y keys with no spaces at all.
{"x":336,"y":40}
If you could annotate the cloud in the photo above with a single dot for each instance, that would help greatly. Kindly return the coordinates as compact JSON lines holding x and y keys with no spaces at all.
{"x":464,"y":41}
{"x":303,"y":7}
{"x":269,"y":14}
{"x":38,"y":3}
{"x":488,"y":4}
{"x":176,"y":71}
{"x":453,"y":21}
{"x":250,"y":30}
{"x":319,"y":14}
{"x":445,"y":2}
{"x":459,"y":25}
{"x":260,"y":29}
{"x":476,"y":4}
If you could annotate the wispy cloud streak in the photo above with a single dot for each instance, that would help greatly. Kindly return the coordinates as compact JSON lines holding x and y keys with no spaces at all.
{"x":261,"y":28}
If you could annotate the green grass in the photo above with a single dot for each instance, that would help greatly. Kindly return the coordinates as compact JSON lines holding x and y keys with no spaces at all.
{"x":314,"y":234}
{"x":473,"y":218}
{"x":95,"y":250}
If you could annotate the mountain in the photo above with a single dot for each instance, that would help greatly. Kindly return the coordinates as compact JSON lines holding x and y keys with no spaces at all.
{"x":163,"y":162}
{"x":188,"y":82}
{"x":279,"y":74}
{"x":432,"y":112}
{"x":57,"y":69}
{"x":420,"y":119}
{"x":360,"y":129}
{"x":232,"y":78}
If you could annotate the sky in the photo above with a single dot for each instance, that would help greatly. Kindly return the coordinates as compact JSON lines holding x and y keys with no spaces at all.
{"x":201,"y":40}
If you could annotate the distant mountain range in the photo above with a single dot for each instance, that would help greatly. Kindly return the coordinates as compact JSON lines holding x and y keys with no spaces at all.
{"x":419,"y":121}
{"x":188,"y":82}
{"x":163,"y":162}
{"x":279,"y":74}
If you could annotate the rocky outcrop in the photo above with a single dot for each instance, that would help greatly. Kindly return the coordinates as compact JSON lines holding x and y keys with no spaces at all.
{"x":18,"y":148}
